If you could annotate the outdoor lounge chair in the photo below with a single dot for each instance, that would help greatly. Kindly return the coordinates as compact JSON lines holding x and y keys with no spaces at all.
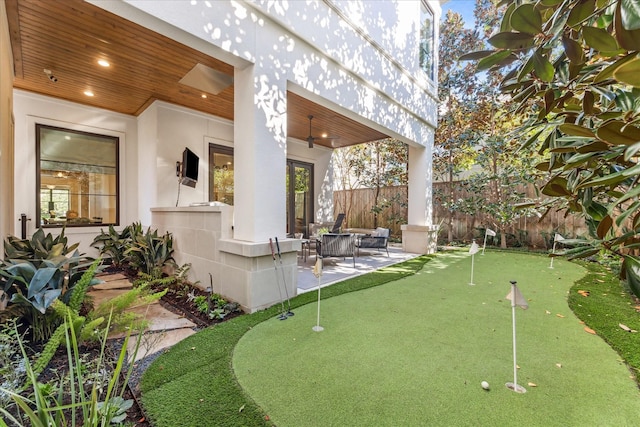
{"x":379,"y":239}
{"x":337,"y":245}
{"x":338,"y":224}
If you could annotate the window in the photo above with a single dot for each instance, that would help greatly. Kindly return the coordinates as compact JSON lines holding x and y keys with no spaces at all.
{"x":220,"y":174}
{"x":77,"y":178}
{"x":426,"y":54}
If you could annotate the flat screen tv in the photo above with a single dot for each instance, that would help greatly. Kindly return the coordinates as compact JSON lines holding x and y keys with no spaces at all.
{"x":190,"y":162}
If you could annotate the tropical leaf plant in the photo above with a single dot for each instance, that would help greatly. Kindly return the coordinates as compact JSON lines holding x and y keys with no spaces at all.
{"x":40,"y":246}
{"x":577,"y":87}
{"x":150,"y":252}
{"x":113,"y":244}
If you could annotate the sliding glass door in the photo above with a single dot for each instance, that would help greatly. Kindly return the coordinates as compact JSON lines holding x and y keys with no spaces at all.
{"x":299,"y":196}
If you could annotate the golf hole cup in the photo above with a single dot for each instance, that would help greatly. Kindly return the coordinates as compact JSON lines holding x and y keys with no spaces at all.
{"x":485,"y":385}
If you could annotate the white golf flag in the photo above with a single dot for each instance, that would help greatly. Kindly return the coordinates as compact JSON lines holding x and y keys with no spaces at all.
{"x":317,"y":268}
{"x":517,"y":299}
{"x":490,"y":232}
{"x":474,"y":248}
{"x":558,"y":238}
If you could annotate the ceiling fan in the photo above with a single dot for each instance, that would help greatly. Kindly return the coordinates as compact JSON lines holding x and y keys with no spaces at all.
{"x":311,"y":139}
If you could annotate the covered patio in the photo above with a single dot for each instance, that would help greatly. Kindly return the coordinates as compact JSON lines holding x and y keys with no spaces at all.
{"x":336,"y":270}
{"x":292,"y":84}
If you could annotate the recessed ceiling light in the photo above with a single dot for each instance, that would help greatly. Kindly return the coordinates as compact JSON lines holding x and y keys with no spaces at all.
{"x":204,"y":96}
{"x":103,"y":63}
{"x":67,"y":137}
{"x":88,"y":93}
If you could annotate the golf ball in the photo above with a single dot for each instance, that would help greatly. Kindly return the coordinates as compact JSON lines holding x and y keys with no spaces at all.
{"x":485,"y":385}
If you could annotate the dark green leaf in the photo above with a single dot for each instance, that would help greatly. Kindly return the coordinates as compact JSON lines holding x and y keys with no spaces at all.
{"x":612,"y":178}
{"x":587,"y":102}
{"x":573,"y":50}
{"x":556,"y":187}
{"x":632,"y":271}
{"x":607,"y":72}
{"x":629,"y":73}
{"x":580,"y":253}
{"x":492,"y":60}
{"x":474,"y":56}
{"x":628,"y":37}
{"x":512,"y":40}
{"x":615,"y":132}
{"x":597,"y":211}
{"x":604,"y":227}
{"x":576,"y":130}
{"x":599,"y":39}
{"x":581,"y":11}
{"x":544,"y":166}
{"x":506,"y":19}
{"x":527,"y":19}
{"x":593,"y":147}
{"x":543,"y":68}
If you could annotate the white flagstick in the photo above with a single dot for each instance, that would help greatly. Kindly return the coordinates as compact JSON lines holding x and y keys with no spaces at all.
{"x":317,"y":271}
{"x":484,"y":245}
{"x":473,"y":250}
{"x":556,"y":238}
{"x":472,"y":259}
{"x":514,"y":385}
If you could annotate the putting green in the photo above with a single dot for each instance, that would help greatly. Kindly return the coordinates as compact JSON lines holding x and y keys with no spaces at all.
{"x":414,"y":352}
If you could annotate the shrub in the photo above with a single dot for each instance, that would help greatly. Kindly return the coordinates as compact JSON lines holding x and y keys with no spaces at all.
{"x":75,"y":400}
{"x":113,"y":244}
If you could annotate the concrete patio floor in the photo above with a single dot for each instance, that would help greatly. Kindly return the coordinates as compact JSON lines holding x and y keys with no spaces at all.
{"x":338,"y":269}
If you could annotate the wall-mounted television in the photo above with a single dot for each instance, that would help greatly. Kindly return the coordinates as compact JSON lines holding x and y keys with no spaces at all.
{"x":189,"y":173}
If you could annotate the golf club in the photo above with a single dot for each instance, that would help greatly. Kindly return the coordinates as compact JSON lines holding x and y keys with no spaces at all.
{"x":282,"y":316}
{"x":289,"y":312}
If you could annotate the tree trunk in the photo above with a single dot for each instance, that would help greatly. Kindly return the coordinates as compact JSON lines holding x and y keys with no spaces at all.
{"x":450,"y":219}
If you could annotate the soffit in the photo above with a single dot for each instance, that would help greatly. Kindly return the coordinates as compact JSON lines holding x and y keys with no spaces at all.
{"x":69,"y":37}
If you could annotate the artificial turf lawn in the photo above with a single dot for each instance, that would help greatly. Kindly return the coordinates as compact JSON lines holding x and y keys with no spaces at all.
{"x":414,"y":351}
{"x":193,"y":384}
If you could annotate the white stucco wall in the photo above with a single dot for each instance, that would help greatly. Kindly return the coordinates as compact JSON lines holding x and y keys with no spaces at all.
{"x":6,"y":126}
{"x":336,"y":50}
{"x":179,"y":128}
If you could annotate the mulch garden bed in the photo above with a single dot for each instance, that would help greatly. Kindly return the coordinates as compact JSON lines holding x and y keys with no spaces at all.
{"x":178,"y":300}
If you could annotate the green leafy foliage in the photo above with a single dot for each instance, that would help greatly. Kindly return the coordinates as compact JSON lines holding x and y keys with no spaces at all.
{"x":33,"y":290}
{"x":113,"y":244}
{"x":79,"y":400}
{"x":150,"y":252}
{"x":39,"y":247}
{"x":577,"y":86}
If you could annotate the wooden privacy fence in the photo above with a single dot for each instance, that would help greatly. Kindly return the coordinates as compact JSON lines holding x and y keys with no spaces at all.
{"x":526,"y":231}
{"x":356,"y":205}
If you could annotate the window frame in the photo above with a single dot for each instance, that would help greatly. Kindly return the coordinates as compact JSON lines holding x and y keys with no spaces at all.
{"x":430,"y":71}
{"x":223,"y":150}
{"x":115,"y":139}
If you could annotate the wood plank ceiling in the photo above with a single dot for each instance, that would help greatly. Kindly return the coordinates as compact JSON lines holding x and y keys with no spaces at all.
{"x":69,"y":37}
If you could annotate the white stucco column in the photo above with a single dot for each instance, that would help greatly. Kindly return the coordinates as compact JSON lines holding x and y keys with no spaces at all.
{"x":420,"y":235}
{"x":147,"y":163}
{"x":260,"y":136}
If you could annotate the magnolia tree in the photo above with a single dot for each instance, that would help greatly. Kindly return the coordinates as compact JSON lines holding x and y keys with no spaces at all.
{"x":573,"y":69}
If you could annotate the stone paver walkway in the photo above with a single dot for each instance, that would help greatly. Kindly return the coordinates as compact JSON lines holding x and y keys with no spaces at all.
{"x":165,"y":327}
